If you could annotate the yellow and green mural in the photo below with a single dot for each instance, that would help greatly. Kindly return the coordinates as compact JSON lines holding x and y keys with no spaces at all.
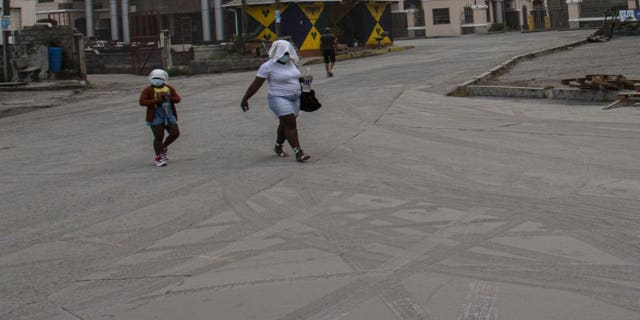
{"x":377,"y":10}
{"x":264,"y":16}
{"x":354,"y":21}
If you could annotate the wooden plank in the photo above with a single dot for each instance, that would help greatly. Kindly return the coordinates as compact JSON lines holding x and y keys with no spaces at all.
{"x":614,"y":104}
{"x":628,"y":94}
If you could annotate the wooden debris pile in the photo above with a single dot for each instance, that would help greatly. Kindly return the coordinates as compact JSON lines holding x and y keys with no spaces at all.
{"x":602,"y":81}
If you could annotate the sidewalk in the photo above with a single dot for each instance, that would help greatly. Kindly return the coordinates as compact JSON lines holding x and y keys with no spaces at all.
{"x":356,"y":54}
{"x":540,"y":76}
{"x":43,"y":85}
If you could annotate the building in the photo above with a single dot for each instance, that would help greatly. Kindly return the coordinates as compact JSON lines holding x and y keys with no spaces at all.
{"x":436,"y":18}
{"x":22,"y":14}
{"x":194,"y":21}
{"x":355,"y":23}
{"x":138,"y":20}
{"x":408,"y":19}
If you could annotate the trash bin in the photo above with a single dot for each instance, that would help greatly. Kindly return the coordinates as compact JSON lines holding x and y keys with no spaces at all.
{"x":55,"y":59}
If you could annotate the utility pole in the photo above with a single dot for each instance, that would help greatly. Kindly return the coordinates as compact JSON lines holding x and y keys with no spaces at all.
{"x":6,"y":19}
{"x":504,"y":16}
{"x":243,"y":35}
{"x":277,"y":16}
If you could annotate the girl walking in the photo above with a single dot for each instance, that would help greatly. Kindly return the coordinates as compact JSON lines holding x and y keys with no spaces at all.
{"x":160,"y":99}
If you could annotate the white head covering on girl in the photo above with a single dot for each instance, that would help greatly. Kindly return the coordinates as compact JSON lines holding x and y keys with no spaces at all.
{"x":279,"y":48}
{"x":158,"y":74}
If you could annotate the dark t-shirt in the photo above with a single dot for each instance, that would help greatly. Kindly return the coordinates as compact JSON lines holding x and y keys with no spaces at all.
{"x":327,"y":40}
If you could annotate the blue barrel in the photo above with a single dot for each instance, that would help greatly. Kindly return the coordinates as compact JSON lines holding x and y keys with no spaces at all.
{"x":55,"y":59}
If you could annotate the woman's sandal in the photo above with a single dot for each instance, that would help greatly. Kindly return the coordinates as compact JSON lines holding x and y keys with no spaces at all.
{"x":279,"y":151}
{"x":301,"y":156}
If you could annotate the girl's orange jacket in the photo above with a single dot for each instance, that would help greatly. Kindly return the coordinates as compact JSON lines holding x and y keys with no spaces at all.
{"x":148,"y":99}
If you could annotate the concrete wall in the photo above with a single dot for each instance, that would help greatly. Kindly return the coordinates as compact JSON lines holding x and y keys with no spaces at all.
{"x":122,"y":60}
{"x":574,"y":13}
{"x":61,"y":36}
{"x":481,"y":21}
{"x":168,"y":7}
{"x":480,"y":24}
{"x":114,"y":62}
{"x":57,"y":36}
{"x":207,"y":52}
{"x":30,"y":51}
{"x":453,"y":28}
{"x":27,"y":10}
{"x":225,"y":65}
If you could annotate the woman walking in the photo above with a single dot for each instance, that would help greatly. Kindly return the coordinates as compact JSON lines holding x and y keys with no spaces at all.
{"x":283,"y":76}
{"x":329,"y":45}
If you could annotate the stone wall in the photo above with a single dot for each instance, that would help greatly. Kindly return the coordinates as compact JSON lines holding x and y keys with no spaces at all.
{"x":123,"y":60}
{"x":130,"y":60}
{"x":225,"y":65}
{"x":29,"y":55}
{"x":31,"y":43}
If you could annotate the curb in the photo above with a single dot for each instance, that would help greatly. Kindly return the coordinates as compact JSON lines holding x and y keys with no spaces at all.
{"x":462,"y":89}
{"x":359,"y":54}
{"x":602,"y":95}
{"x":38,"y":86}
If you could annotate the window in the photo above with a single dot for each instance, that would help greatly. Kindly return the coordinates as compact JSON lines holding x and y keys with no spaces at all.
{"x":486,"y":3}
{"x":441,"y":16}
{"x":468,"y":15}
{"x":42,"y":1}
{"x":509,"y":5}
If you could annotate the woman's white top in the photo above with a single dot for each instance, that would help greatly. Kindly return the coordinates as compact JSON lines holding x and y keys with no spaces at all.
{"x":284,"y":79}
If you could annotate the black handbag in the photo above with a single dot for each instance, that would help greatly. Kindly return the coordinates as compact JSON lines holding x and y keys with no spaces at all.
{"x":309,"y":102}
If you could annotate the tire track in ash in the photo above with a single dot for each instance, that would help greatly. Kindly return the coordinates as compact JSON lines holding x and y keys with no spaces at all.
{"x":481,"y":302}
{"x":400,"y":269}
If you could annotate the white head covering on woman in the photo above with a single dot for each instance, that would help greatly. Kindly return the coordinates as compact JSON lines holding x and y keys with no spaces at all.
{"x":279,"y":48}
{"x":159,"y":74}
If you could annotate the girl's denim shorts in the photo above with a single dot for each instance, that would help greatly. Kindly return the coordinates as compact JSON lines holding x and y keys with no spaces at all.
{"x":160,"y":117}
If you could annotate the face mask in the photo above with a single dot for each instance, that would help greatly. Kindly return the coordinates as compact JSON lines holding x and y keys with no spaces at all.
{"x":157,"y":82}
{"x":284,"y":59}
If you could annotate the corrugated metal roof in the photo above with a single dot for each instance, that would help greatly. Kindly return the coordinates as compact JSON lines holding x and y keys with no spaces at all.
{"x":238,"y":3}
